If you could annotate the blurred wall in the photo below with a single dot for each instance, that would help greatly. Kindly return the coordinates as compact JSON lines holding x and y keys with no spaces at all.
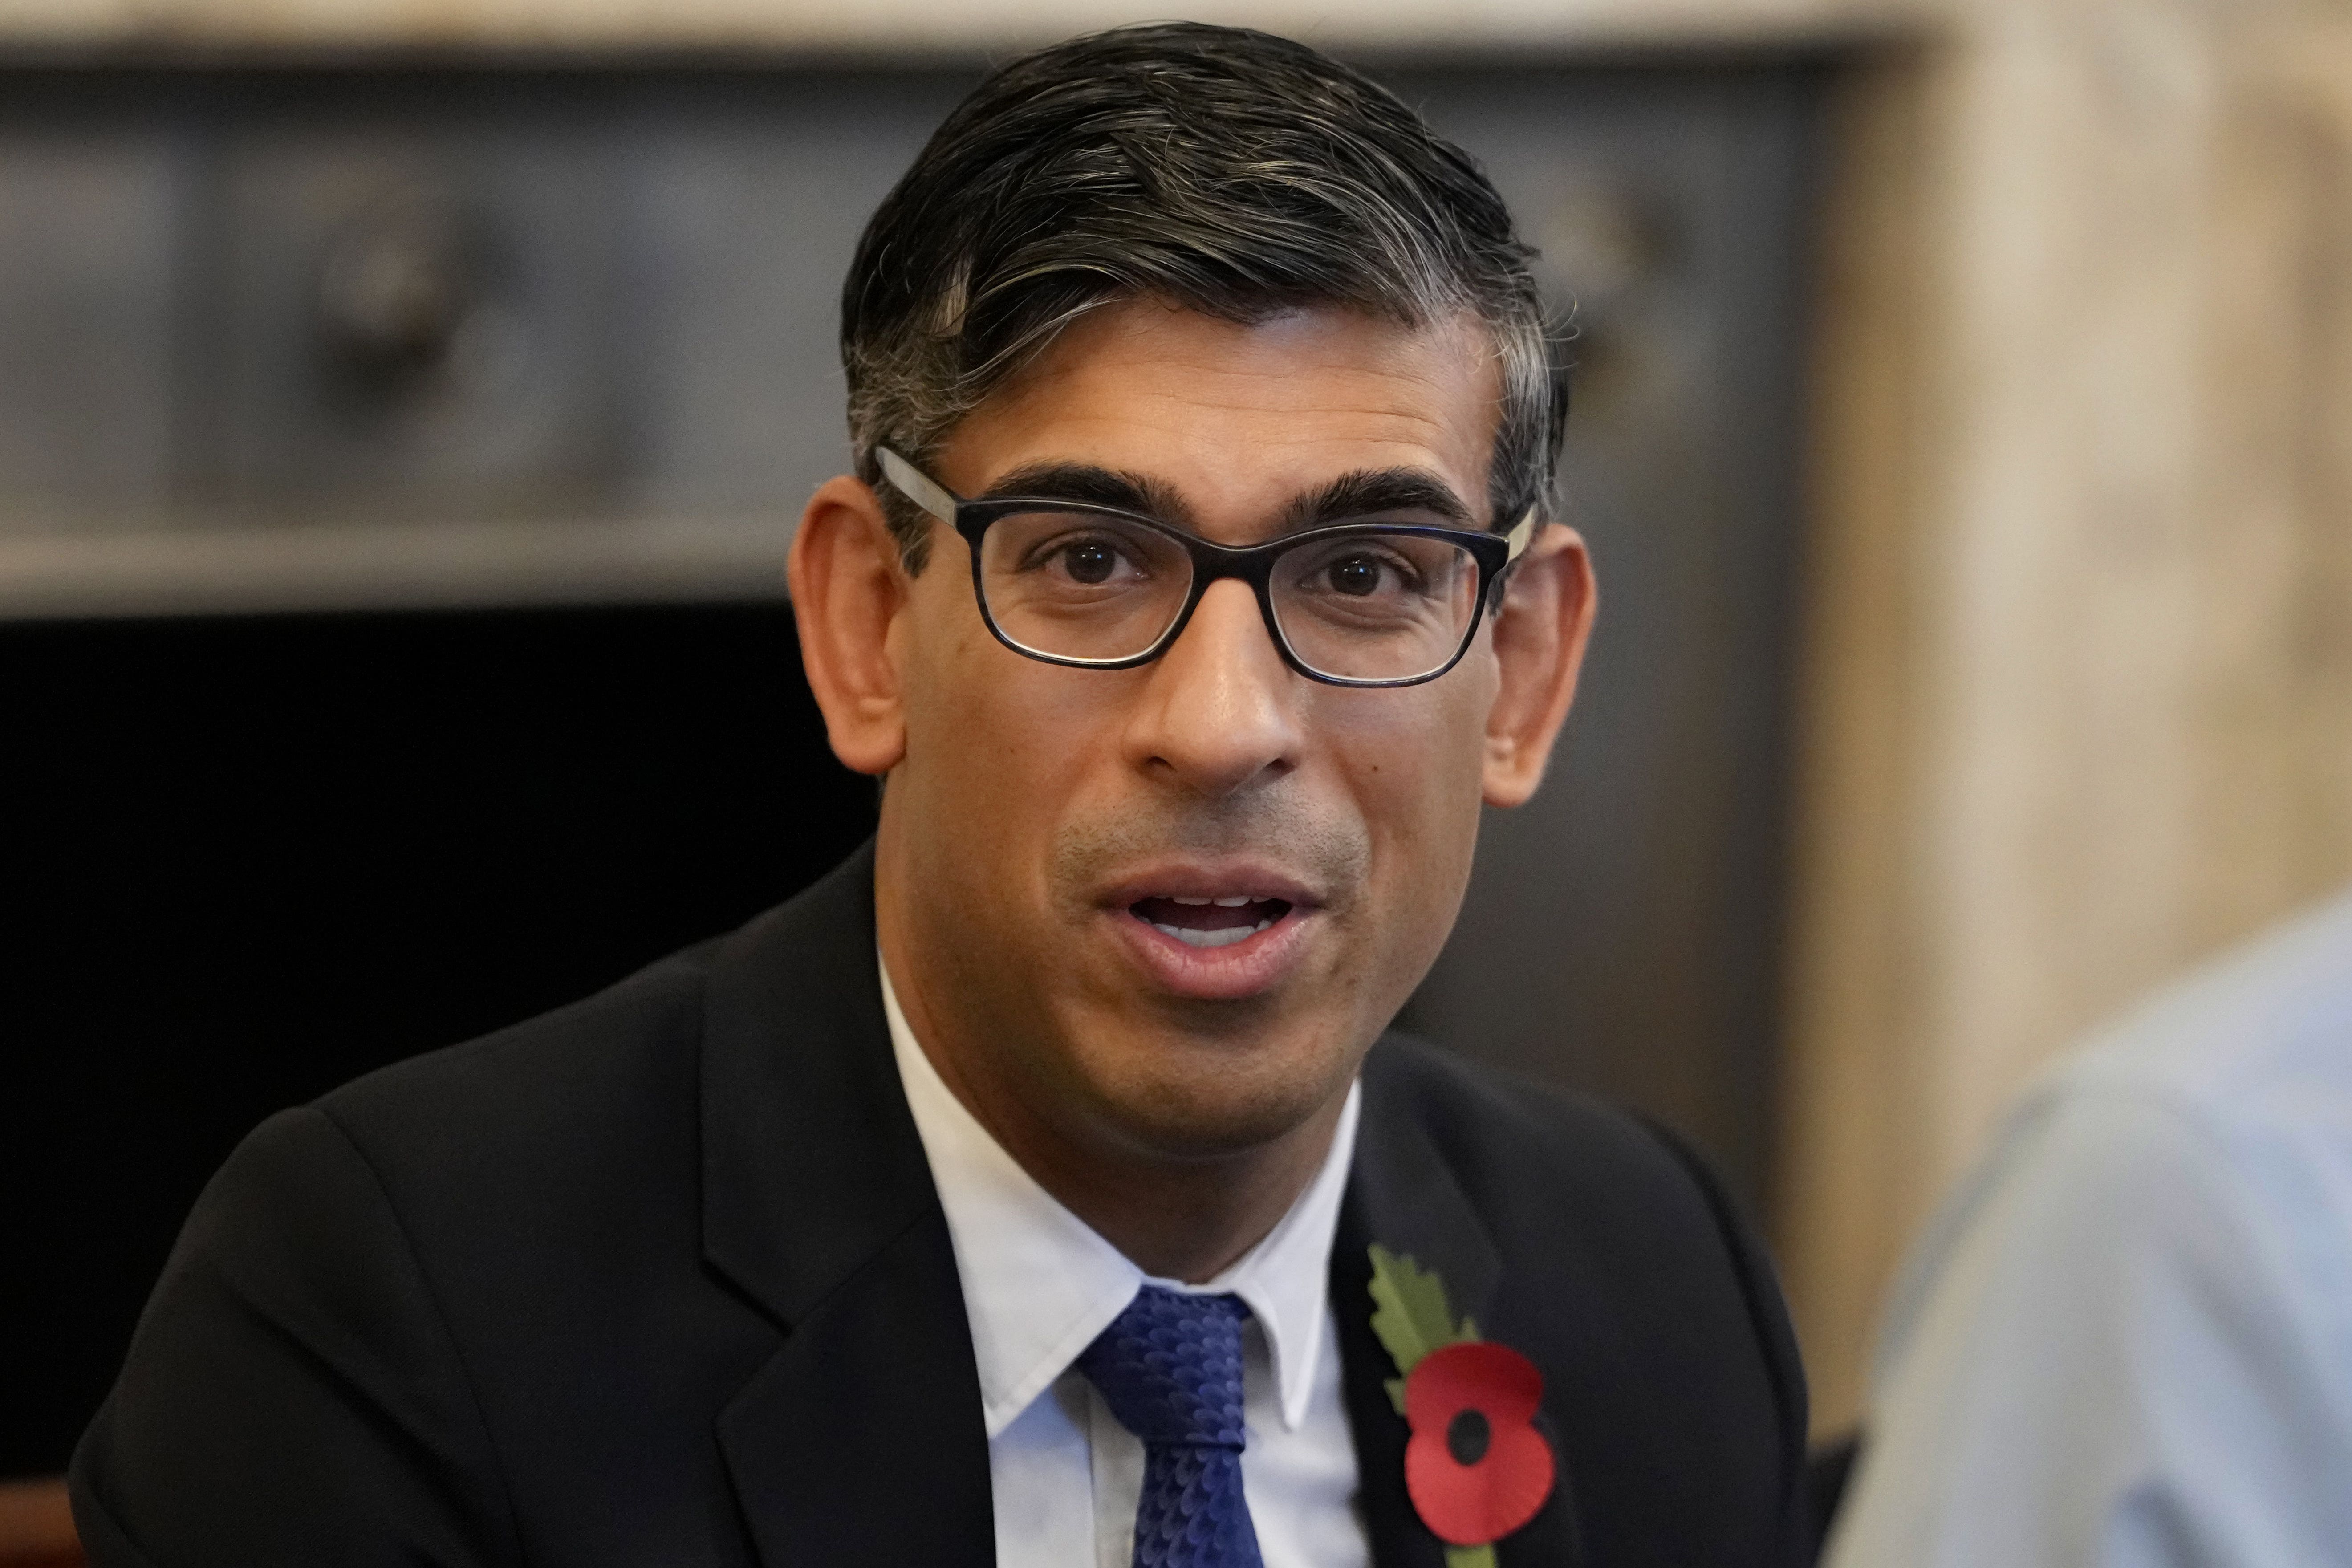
{"x":2079,"y":691}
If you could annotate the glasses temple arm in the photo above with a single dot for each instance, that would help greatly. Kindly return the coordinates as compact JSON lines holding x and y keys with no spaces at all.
{"x":1518,"y":539}
{"x":921,"y":489}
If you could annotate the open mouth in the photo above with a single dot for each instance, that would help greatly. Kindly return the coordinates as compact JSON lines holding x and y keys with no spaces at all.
{"x":1210,"y":923}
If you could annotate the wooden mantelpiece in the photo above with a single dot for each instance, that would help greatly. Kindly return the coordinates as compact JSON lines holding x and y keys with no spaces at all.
{"x":894,"y":28}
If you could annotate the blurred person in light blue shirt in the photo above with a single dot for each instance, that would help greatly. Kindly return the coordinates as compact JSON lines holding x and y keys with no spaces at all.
{"x":2127,"y":1340}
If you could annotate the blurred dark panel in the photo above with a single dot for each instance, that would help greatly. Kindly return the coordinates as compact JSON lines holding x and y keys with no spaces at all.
{"x":326,"y":297}
{"x":249,"y":859}
{"x":1621,"y":931}
{"x":88,"y":244}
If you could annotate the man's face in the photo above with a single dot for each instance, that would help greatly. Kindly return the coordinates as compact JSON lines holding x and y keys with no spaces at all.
{"x":1067,"y":853}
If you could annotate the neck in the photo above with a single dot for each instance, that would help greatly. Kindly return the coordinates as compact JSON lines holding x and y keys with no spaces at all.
{"x":1177,"y":1217}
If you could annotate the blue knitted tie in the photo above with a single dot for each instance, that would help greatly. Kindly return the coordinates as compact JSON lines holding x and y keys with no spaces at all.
{"x":1170,"y":1367}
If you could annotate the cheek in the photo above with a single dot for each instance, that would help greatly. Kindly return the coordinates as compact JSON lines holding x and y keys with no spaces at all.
{"x":1417,"y":772}
{"x":997,"y":745}
{"x":963,"y":757}
{"x":1424,"y":759}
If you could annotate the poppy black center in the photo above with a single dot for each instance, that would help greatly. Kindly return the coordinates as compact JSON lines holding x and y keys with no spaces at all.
{"x":1466,"y":1436}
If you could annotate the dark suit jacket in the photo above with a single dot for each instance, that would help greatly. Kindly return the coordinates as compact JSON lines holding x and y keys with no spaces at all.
{"x":661,"y":1279}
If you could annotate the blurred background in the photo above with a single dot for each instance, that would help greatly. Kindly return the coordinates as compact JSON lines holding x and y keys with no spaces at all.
{"x":405,"y":410}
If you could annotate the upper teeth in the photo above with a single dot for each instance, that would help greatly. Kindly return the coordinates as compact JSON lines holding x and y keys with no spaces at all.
{"x":1235,"y":902}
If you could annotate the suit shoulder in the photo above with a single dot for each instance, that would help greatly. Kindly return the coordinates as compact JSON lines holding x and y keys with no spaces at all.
{"x":496,"y":1131}
{"x":620,"y":1051}
{"x":1569,"y":1186}
{"x":1614,"y":1226}
{"x":1610,"y":1231}
{"x":655,"y":1010}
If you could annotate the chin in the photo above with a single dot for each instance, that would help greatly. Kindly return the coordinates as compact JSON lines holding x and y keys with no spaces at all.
{"x":1213,"y":1105}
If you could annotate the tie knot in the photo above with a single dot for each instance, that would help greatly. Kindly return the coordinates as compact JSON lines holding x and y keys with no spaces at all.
{"x":1170,"y":1367}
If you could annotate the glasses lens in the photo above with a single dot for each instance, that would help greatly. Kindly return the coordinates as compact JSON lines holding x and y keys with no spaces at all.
{"x":1075,"y":585}
{"x":1376,"y":606}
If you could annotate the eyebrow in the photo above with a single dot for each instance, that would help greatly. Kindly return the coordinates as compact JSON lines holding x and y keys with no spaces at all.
{"x":1368,"y":492}
{"x":1363,"y":494}
{"x":1095,"y":487}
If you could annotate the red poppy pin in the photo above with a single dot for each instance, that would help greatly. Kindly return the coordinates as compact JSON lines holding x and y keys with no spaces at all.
{"x":1476,"y":1467}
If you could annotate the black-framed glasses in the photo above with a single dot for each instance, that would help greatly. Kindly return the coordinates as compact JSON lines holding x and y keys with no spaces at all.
{"x":1355,"y":603}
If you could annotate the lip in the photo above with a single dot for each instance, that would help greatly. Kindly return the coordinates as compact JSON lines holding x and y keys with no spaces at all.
{"x":1228,"y":974}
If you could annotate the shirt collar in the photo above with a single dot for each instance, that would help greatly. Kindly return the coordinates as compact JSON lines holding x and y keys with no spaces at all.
{"x":1039,"y":1284}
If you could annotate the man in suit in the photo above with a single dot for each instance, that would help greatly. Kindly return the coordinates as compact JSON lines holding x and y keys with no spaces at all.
{"x":1041,"y":1185}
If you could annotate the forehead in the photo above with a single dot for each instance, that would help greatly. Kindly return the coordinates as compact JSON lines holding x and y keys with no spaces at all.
{"x":1241,"y":417}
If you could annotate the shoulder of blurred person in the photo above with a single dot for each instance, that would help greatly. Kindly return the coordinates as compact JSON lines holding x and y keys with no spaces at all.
{"x":2127,"y":1340}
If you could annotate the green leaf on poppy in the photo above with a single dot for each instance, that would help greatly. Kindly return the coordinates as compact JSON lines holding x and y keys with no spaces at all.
{"x":1395,"y":1386}
{"x":1470,"y":1556}
{"x":1411,"y":1315}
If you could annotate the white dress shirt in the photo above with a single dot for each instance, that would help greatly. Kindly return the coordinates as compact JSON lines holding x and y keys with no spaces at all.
{"x":2127,"y":1343}
{"x":1039,"y":1284}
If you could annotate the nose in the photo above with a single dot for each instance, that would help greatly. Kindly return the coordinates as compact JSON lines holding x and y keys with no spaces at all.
{"x":1220,"y":712}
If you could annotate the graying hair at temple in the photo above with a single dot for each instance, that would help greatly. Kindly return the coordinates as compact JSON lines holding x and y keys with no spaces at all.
{"x":1226,"y":170}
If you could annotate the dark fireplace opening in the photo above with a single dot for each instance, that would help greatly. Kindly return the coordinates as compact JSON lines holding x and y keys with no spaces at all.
{"x":250,"y":858}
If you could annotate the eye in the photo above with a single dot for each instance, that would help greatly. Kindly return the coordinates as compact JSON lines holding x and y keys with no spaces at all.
{"x":1079,"y":558}
{"x":1090,"y":561}
{"x":1363,"y":571}
{"x":1356,"y":576}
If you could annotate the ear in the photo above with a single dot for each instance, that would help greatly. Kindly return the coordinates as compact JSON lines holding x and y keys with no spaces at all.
{"x":848,"y":591}
{"x":1538,"y":640}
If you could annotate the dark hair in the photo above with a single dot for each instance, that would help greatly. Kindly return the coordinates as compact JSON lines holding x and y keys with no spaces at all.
{"x":1227,"y":171}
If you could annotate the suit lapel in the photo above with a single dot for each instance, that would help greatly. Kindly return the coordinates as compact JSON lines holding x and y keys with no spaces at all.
{"x":818,"y":1205}
{"x":1403,"y":1194}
